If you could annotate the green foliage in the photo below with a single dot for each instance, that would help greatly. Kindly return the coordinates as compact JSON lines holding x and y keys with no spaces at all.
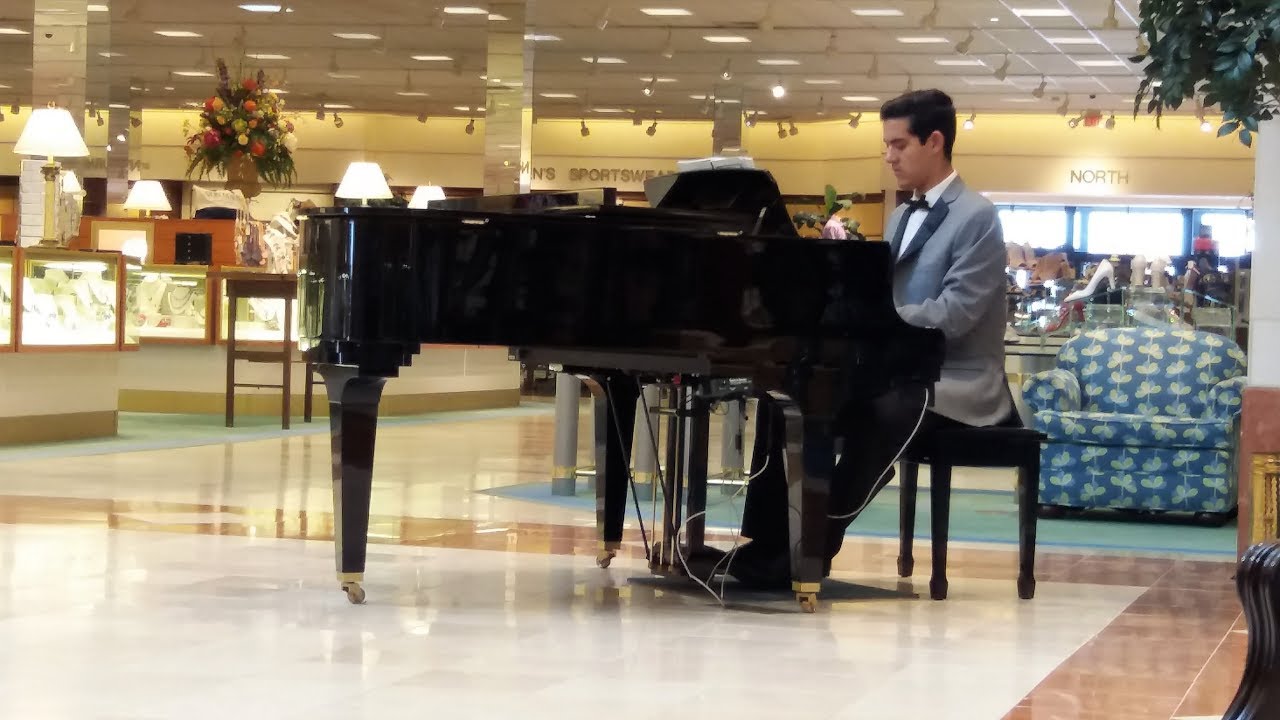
{"x":1225,"y":51}
{"x":832,"y":204}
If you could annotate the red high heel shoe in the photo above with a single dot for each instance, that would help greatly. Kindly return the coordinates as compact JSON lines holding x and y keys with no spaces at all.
{"x":1067,"y":313}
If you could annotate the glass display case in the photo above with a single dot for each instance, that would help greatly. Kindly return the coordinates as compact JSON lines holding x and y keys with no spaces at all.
{"x":258,"y":319}
{"x":167,"y":303}
{"x":69,"y":298}
{"x":8,"y":278}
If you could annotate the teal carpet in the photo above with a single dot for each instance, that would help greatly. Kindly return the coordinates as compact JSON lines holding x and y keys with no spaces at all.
{"x":976,"y":516}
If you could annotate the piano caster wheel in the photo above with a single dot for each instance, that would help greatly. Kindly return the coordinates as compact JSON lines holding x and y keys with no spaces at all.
{"x":808,"y":602}
{"x":606,"y":557}
{"x":355,"y":593}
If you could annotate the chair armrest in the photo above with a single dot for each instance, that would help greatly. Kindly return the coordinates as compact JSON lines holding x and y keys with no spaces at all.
{"x":1226,"y":399}
{"x":1056,"y":390}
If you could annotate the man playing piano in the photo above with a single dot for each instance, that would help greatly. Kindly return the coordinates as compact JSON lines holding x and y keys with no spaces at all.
{"x":948,"y":274}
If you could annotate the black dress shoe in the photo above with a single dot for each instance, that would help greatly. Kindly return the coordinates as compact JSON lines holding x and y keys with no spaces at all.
{"x":704,"y":563}
{"x":761,"y":567}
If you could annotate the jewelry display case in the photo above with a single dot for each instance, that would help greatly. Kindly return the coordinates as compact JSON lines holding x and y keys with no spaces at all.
{"x":69,"y":299}
{"x":258,"y":319}
{"x":8,"y":279}
{"x":168,"y":303}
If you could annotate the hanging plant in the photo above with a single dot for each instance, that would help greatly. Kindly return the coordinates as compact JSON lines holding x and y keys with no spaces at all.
{"x":1225,"y":53}
{"x":242,"y":123}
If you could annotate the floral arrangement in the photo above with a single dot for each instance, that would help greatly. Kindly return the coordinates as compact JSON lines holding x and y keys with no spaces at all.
{"x":243,"y":121}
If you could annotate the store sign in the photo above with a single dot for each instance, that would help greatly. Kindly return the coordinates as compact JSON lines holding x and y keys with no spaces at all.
{"x":597,"y":176}
{"x":1099,"y":177}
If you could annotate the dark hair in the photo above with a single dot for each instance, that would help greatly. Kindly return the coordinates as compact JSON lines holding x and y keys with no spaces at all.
{"x":927,"y":111}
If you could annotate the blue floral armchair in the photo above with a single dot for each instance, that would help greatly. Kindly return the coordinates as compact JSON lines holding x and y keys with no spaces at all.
{"x":1142,"y":419}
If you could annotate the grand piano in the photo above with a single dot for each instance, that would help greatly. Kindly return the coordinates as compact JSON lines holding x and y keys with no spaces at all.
{"x":708,"y":288}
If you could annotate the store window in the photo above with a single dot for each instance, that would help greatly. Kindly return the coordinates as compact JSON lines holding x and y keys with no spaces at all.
{"x":1041,"y":228}
{"x":1232,"y":231}
{"x":1154,"y":233}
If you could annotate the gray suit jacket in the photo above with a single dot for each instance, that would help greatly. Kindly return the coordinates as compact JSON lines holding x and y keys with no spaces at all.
{"x":952,"y":278}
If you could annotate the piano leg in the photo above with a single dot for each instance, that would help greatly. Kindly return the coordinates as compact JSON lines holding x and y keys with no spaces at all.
{"x":810,"y":459}
{"x":353,"y":424}
{"x":698,"y":433}
{"x":615,"y":413}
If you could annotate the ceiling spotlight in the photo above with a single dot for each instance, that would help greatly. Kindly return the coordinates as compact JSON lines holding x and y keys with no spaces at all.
{"x":651,"y":87}
{"x":652,"y":129}
{"x":968,"y":123}
{"x":1065,"y":106}
{"x":470,"y":129}
{"x":1073,"y":123}
{"x":832,"y":49}
{"x":822,"y":105}
{"x":100,"y":120}
{"x":1111,"y":23}
{"x":134,"y":121}
{"x":779,"y":90}
{"x":792,"y":130}
{"x":1143,"y":47}
{"x":1003,"y":71}
{"x":930,"y":20}
{"x":1111,"y":122}
{"x":963,"y":46}
{"x":338,"y":122}
{"x":853,"y":121}
{"x":708,"y":104}
{"x":602,"y":22}
{"x":585,"y":131}
{"x":751,"y":120}
{"x":1206,"y":126}
{"x":726,"y":73}
{"x":782,"y":133}
{"x":14,"y":109}
{"x":669,"y":49}
{"x":873,"y":72}
{"x":911,"y":83}
{"x":422,"y":117}
{"x":1039,"y":91}
{"x":320,"y":114}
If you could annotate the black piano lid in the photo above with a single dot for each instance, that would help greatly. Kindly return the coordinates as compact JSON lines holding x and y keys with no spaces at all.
{"x":749,"y":193}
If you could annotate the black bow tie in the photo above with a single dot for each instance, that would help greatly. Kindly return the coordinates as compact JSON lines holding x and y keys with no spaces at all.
{"x":919,"y":203}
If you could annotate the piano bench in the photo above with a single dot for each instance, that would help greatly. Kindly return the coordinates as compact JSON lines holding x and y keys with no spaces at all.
{"x":988,"y":447}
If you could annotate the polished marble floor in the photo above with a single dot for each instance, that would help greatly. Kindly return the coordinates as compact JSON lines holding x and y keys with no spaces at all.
{"x":198,"y":582}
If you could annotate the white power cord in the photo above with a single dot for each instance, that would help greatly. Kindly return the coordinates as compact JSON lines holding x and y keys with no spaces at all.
{"x":870,"y":496}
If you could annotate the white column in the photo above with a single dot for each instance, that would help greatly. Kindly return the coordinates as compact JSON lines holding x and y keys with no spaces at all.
{"x":1264,"y":280}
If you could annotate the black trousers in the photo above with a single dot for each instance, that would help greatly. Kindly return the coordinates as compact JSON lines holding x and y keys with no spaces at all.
{"x":871,"y":433}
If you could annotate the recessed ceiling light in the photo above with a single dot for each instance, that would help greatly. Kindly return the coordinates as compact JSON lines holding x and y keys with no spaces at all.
{"x":877,"y":12}
{"x":666,"y":12}
{"x":922,"y":39}
{"x":541,"y":37}
{"x":118,"y":106}
{"x":411,"y":93}
{"x":357,"y":36}
{"x":178,"y":33}
{"x":99,"y":8}
{"x":495,"y":17}
{"x":860,"y":98}
{"x":193,"y":73}
{"x":726,"y":39}
{"x":605,"y":60}
{"x":1042,"y":12}
{"x":432,"y":58}
{"x":1019,"y":100}
{"x":777,"y":61}
{"x":260,"y":8}
{"x":13,"y":31}
{"x":267,"y":56}
{"x":1074,"y":40}
{"x":337,"y":106}
{"x":649,"y":78}
{"x":108,"y":54}
{"x":558,"y":95}
{"x":169,"y":88}
{"x":995,"y":19}
{"x":968,"y":62}
{"x":465,"y":10}
{"x":608,"y":110}
{"x":343,"y":76}
{"x":1099,"y":63}
{"x":821,"y":81}
{"x":462,"y":108}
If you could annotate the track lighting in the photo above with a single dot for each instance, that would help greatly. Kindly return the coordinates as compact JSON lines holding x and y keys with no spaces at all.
{"x":470,"y":129}
{"x":822,"y":106}
{"x":930,"y":20}
{"x":320,"y":114}
{"x":911,"y":83}
{"x":853,"y":121}
{"x":652,"y":129}
{"x":1143,"y":47}
{"x":585,"y":131}
{"x":14,"y":109}
{"x":968,"y":123}
{"x":1065,"y":106}
{"x":1073,"y":122}
{"x":1039,"y":91}
{"x":832,"y":49}
{"x":134,"y":121}
{"x":1111,"y":122}
{"x":779,"y":90}
{"x":1111,"y":23}
{"x":602,"y":22}
{"x":792,"y":130}
{"x":669,"y":49}
{"x":963,"y":46}
{"x":338,"y":122}
{"x":751,"y":120}
{"x":782,"y":133}
{"x":873,"y":72}
{"x":708,"y":104}
{"x":100,"y":120}
{"x":651,"y":87}
{"x":422,"y":117}
{"x":726,"y":73}
{"x":1003,"y":71}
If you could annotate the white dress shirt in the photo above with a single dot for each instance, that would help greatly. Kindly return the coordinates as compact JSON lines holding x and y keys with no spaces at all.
{"x":916,"y":219}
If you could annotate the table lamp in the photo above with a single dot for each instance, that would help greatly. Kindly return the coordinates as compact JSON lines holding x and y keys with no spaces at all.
{"x":363,"y":181}
{"x":423,"y":196}
{"x":147,"y":196}
{"x":50,"y":132}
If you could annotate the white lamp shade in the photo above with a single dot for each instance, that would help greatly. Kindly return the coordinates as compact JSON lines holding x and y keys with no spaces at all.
{"x":423,"y":196}
{"x":364,"y":181}
{"x":71,"y":183}
{"x":147,"y":195}
{"x":50,"y":132}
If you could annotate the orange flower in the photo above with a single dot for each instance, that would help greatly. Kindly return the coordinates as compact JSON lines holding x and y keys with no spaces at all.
{"x":250,"y":106}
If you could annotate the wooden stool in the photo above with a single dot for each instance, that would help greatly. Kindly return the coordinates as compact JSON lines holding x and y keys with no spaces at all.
{"x":240,"y":284}
{"x":990,"y":447}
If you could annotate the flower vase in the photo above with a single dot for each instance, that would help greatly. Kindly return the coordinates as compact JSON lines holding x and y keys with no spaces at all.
{"x":242,"y":175}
